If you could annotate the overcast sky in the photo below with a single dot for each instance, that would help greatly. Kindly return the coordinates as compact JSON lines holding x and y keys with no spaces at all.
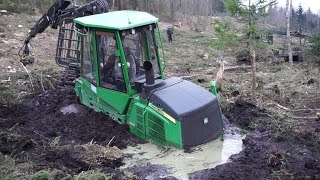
{"x":313,"y":4}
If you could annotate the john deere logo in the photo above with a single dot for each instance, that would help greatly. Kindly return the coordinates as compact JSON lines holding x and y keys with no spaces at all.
{"x":205,"y":121}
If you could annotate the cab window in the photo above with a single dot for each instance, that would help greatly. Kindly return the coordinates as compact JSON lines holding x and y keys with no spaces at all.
{"x":88,"y":63}
{"x":110,"y":66}
{"x":139,"y":47}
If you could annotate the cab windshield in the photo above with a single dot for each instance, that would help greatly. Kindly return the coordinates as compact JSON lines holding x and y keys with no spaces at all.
{"x":139,"y":45}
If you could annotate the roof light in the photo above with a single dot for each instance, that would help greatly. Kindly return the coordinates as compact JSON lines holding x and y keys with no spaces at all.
{"x":133,"y":31}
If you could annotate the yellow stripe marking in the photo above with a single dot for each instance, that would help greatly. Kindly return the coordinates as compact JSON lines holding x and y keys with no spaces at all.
{"x":160,"y":111}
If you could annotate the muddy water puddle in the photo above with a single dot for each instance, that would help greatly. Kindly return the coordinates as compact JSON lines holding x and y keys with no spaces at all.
{"x":179,"y":163}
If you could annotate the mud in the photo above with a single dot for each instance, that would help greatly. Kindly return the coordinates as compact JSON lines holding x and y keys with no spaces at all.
{"x":269,"y":153}
{"x":263,"y":159}
{"x":246,"y":115}
{"x":37,"y":131}
{"x":40,"y":119}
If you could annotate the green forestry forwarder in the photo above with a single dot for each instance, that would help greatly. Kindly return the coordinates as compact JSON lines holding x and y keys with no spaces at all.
{"x":116,"y":64}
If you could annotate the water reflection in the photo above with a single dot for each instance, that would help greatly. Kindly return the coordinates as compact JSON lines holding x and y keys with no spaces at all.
{"x":180,"y":163}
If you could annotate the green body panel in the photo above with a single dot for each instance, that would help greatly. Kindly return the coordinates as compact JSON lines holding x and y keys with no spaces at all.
{"x":86,"y":93}
{"x":115,"y":100}
{"x":135,"y":117}
{"x":148,"y":124}
{"x":213,"y":88}
{"x":161,"y":130}
{"x":121,"y":102}
{"x":117,"y":20}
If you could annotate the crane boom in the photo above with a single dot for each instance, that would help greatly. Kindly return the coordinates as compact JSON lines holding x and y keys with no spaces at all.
{"x":60,"y":14}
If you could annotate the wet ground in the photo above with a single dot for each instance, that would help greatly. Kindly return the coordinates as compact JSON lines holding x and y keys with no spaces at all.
{"x":180,"y":163}
{"x":37,"y":132}
{"x":270,"y":151}
{"x":52,"y":131}
{"x":263,"y":158}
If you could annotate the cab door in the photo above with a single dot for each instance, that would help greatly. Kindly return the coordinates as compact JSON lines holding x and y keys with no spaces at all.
{"x":88,"y":70}
{"x":112,"y":88}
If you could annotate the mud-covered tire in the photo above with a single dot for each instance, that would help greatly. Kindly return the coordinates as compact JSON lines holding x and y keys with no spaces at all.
{"x":69,"y":75}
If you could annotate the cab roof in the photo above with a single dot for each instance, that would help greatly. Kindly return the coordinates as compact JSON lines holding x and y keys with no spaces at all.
{"x":117,"y":20}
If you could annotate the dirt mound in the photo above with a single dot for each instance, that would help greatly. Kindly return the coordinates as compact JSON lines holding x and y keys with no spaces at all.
{"x":264,"y":159}
{"x":246,"y":115}
{"x":75,"y":159}
{"x":37,"y":131}
{"x":40,"y":119}
{"x":14,"y":144}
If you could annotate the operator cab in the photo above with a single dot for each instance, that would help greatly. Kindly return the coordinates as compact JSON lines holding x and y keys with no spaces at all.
{"x":112,"y":50}
{"x":139,"y":46}
{"x":122,"y":47}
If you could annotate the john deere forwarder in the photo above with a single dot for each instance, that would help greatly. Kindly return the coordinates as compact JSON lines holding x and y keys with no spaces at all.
{"x":117,"y":64}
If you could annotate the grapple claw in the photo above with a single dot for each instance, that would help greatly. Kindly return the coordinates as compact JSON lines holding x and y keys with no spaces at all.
{"x":26,"y":59}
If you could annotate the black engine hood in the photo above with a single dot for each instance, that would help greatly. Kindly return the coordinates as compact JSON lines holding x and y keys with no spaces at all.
{"x":180,"y":97}
{"x":195,"y":107}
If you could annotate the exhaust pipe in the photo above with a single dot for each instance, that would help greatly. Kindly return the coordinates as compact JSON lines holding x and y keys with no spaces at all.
{"x":147,"y":65}
{"x":151,"y":83}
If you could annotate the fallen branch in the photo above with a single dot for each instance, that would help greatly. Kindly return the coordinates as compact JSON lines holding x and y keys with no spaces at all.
{"x":282,"y":107}
{"x":22,"y":92}
{"x":219,"y":74}
{"x":277,"y":122}
{"x":295,"y":110}
{"x":232,"y":68}
{"x":305,"y":117}
{"x":13,"y":127}
{"x":5,"y":81}
{"x":41,"y":135}
{"x":41,"y":82}
{"x":111,"y":140}
{"x":194,"y":75}
{"x":50,"y":84}
{"x":30,"y":77}
{"x":292,"y":110}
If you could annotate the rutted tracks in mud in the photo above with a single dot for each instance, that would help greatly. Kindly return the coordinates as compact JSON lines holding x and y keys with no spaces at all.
{"x":36,"y":132}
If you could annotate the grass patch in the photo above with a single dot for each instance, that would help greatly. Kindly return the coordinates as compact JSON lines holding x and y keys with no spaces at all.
{"x":42,"y":175}
{"x":21,"y":84}
{"x":92,"y":175}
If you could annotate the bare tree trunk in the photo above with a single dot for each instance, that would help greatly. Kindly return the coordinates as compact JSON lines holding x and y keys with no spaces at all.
{"x":288,"y":38}
{"x":145,"y":5}
{"x":120,"y":4}
{"x":172,"y":13}
{"x":252,"y":53}
{"x":124,"y":5}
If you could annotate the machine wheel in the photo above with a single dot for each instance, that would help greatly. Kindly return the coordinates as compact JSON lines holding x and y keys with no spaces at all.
{"x":70,"y":74}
